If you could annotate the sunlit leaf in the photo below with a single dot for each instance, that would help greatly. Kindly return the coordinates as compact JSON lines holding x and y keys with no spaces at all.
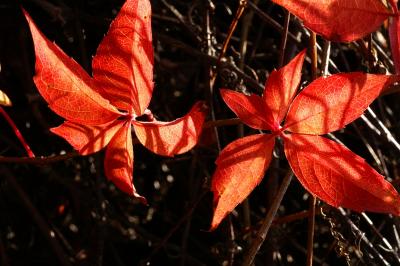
{"x":250,"y":109}
{"x":123,"y":65}
{"x":240,"y":168}
{"x":339,"y":20}
{"x":329,"y":104}
{"x":338,"y":176}
{"x":66,"y":87}
{"x":87,"y":139}
{"x":118,"y":163}
{"x":281,"y":87}
{"x":175,"y":137}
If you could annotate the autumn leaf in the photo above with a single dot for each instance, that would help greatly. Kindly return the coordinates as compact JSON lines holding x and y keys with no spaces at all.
{"x":101,"y":110}
{"x":326,"y":169}
{"x":323,"y":166}
{"x":328,"y":104}
{"x":394,"y":35}
{"x":281,"y":87}
{"x":339,"y":20}
{"x":249,"y":108}
{"x":240,"y":168}
{"x":4,"y":100}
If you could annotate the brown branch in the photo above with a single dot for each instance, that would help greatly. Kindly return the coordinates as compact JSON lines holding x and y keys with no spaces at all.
{"x":265,"y":226}
{"x":41,"y":223}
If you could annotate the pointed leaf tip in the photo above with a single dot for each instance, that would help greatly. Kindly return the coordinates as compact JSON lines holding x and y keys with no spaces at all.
{"x":338,"y":176}
{"x":240,"y":168}
{"x":118,"y":162}
{"x":251,"y":109}
{"x":123,"y":64}
{"x":175,"y":137}
{"x":67,"y":88}
{"x":329,"y":104}
{"x":281,"y":87}
{"x":339,"y":20}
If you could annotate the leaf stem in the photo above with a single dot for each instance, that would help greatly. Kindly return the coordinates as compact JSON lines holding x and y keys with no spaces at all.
{"x":57,"y":158}
{"x":17,"y":132}
{"x":313,"y":200}
{"x":284,"y":39}
{"x":265,"y":226}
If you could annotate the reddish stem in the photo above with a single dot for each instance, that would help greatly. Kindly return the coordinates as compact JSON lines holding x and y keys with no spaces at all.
{"x":17,"y":132}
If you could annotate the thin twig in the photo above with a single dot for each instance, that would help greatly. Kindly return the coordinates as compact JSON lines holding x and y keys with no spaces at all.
{"x":178,"y":224}
{"x":42,"y":160}
{"x":263,"y":231}
{"x":310,"y":232}
{"x":17,"y":132}
{"x":313,"y":200}
{"x":284,"y":39}
{"x":314,"y":55}
{"x":37,"y":218}
{"x":271,"y":21}
{"x":292,"y":217}
{"x":232,"y":27}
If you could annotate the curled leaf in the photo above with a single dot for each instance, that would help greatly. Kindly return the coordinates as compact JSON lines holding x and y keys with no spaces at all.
{"x":118,"y":163}
{"x":175,"y":137}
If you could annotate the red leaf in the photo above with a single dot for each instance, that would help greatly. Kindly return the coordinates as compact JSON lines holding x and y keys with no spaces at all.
{"x":118,"y":163}
{"x":240,"y":168}
{"x":339,"y":20}
{"x":170,"y":138}
{"x":339,"y":177}
{"x":393,"y":4}
{"x":88,"y":139}
{"x":281,"y":87}
{"x":250,"y":109}
{"x":123,"y":65}
{"x":394,"y":29}
{"x":328,"y":104}
{"x":66,"y":87}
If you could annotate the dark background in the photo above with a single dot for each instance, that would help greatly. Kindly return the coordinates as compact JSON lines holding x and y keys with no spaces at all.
{"x":93,"y":223}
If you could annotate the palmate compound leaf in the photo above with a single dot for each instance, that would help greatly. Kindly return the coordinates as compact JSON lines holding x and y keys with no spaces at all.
{"x":339,"y":177}
{"x":175,"y":137}
{"x":66,"y":87}
{"x":92,"y":121}
{"x":251,"y":109}
{"x":123,"y":64}
{"x":339,"y":20}
{"x":240,"y":168}
{"x":328,"y":104}
{"x":281,"y":87}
